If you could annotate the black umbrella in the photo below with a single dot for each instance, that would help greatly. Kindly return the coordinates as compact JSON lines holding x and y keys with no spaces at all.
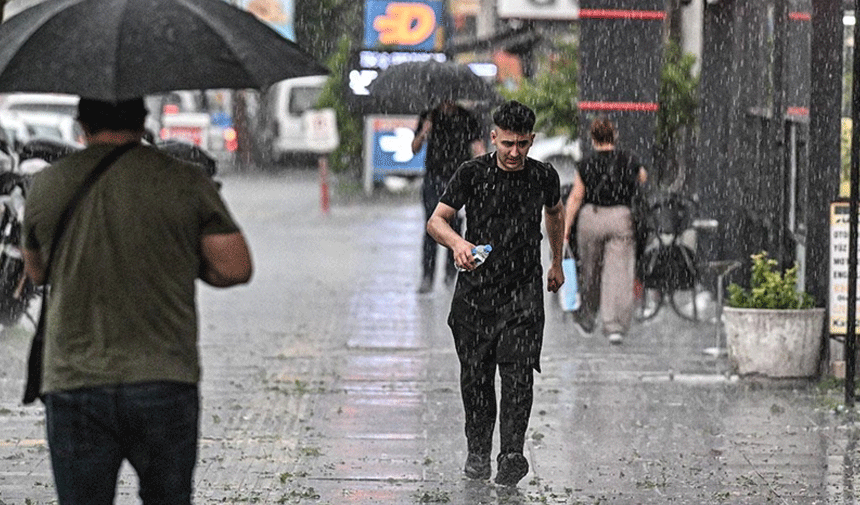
{"x":119,"y":49}
{"x":415,"y":86}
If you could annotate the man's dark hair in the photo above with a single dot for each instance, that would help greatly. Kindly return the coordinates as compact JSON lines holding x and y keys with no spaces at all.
{"x":515,"y":117}
{"x":98,"y":115}
{"x":603,"y":131}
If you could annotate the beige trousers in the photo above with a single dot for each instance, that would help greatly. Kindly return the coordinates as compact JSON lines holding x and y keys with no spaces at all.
{"x":607,"y":253}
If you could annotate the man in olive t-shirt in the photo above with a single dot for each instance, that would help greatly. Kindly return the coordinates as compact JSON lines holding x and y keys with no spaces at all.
{"x":121,"y":364}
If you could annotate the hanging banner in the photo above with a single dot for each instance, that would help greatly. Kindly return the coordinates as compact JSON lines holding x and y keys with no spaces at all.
{"x":278,"y":14}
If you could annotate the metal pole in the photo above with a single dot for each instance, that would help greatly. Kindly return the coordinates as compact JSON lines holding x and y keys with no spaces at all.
{"x":721,"y":268}
{"x":825,"y":111}
{"x":850,"y":343}
{"x":322,"y":163}
{"x":777,"y":144}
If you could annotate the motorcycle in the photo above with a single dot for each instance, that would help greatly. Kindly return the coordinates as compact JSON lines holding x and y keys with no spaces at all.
{"x":16,"y":289}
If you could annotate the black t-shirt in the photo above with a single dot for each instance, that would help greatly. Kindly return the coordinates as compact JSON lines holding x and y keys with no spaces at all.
{"x":610,"y":177}
{"x":450,"y":140}
{"x":504,"y":296}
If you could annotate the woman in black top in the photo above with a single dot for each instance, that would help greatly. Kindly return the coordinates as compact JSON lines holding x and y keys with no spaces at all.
{"x":599,"y":204}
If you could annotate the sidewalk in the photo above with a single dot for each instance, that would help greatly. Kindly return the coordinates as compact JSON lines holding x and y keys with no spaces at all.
{"x":327,"y":380}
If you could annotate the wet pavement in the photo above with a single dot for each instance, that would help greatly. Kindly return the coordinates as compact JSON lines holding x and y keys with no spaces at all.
{"x":328,"y":380}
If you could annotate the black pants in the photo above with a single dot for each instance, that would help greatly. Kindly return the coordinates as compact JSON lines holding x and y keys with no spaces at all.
{"x":431,"y":190}
{"x":478,"y":389}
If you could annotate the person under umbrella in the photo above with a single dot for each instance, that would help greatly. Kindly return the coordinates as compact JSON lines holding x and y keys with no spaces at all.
{"x":121,"y":365}
{"x":453,"y":135}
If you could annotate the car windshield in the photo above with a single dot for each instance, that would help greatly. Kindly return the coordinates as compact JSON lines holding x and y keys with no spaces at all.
{"x":44,"y":131}
{"x":304,"y":98}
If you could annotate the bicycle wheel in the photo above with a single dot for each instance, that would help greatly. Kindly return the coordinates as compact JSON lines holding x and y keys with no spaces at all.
{"x":649,"y":304}
{"x":687,"y":303}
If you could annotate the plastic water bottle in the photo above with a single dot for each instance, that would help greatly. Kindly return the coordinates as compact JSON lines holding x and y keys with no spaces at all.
{"x":480,"y":253}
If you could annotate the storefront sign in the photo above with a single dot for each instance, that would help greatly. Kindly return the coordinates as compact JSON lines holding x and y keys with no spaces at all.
{"x":839,"y":269}
{"x":276,"y":13}
{"x":388,"y":148}
{"x":371,"y":63}
{"x":539,"y":9}
{"x":404,"y":26}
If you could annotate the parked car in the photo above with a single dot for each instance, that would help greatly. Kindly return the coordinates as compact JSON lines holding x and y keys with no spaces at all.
{"x":28,"y":126}
{"x":40,"y":102}
{"x":8,"y":154}
{"x":562,"y":151}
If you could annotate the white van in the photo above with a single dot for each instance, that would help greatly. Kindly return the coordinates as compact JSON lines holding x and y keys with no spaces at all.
{"x":287,"y":101}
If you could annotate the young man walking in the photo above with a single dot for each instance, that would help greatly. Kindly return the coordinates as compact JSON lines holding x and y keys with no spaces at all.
{"x":497,"y":315}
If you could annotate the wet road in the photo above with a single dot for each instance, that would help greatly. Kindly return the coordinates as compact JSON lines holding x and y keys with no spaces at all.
{"x":327,"y":380}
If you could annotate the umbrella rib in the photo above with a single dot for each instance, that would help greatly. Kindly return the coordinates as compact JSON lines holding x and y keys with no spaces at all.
{"x":121,"y":29}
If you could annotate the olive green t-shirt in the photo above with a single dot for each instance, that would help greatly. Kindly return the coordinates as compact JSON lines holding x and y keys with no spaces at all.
{"x":122,"y":301}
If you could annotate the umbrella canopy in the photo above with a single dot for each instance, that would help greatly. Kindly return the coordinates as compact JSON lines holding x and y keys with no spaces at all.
{"x":120,"y":49}
{"x":418,"y":85}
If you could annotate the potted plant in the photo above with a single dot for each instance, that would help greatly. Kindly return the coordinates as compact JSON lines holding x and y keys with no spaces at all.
{"x":772,"y":329}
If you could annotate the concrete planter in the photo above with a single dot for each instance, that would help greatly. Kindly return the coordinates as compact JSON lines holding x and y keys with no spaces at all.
{"x":774,"y":343}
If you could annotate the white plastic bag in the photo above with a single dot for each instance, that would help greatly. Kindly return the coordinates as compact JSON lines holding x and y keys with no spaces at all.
{"x":569,"y":291}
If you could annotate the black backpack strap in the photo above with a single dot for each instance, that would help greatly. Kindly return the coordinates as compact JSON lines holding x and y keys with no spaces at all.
{"x":82,"y":191}
{"x":34,"y":360}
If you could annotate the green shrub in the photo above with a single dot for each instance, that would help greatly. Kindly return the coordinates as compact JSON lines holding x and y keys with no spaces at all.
{"x":553,"y":94}
{"x":347,"y":156}
{"x":769,"y":289}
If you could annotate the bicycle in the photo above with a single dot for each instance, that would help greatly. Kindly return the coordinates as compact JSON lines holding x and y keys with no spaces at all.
{"x":669,"y":268}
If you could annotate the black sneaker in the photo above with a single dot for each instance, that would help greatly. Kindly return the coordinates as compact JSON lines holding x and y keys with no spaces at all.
{"x":477,"y":466}
{"x":512,"y":468}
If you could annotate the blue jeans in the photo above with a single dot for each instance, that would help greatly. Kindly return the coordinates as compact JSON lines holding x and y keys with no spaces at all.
{"x":152,"y":425}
